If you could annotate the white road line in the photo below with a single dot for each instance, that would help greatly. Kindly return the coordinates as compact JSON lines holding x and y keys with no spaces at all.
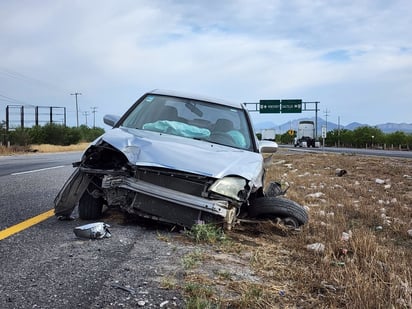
{"x":39,"y":170}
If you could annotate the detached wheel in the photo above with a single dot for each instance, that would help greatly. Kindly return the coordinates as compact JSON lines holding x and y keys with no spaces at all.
{"x":291,"y":213}
{"x":90,"y":208}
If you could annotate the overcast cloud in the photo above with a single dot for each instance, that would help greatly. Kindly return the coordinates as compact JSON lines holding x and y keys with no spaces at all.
{"x":354,"y":57}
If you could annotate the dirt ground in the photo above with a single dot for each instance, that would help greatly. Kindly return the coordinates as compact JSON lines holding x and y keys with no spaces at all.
{"x":355,"y":252}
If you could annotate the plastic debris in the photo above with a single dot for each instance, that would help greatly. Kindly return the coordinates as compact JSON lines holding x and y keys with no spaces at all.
{"x":96,"y":230}
{"x":410,"y":233}
{"x":346,"y":236}
{"x":379,"y":181}
{"x":316,"y":247}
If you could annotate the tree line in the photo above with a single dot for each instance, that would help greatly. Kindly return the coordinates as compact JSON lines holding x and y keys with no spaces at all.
{"x":54,"y":134}
{"x":361,"y":137}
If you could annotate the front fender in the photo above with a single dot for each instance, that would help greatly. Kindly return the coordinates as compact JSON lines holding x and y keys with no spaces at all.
{"x":68,"y":197}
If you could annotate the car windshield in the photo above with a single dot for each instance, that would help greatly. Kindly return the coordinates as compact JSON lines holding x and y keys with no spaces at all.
{"x":201,"y":120}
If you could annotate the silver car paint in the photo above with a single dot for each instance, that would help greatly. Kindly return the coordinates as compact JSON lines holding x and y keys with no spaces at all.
{"x":145,"y":148}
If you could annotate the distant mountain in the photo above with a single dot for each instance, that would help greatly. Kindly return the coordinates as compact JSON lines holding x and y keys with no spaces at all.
{"x":282,"y":128}
{"x":354,"y":125}
{"x":393,"y":127}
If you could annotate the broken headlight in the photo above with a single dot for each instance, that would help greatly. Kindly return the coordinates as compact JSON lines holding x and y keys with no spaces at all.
{"x":232,"y":187}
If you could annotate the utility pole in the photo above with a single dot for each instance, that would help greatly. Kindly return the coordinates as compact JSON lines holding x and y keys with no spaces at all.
{"x":326,"y":116}
{"x":94,"y":108}
{"x":86,"y":113}
{"x":77,"y":107}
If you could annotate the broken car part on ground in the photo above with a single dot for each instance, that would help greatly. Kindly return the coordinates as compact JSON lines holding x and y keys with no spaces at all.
{"x":180,"y":159}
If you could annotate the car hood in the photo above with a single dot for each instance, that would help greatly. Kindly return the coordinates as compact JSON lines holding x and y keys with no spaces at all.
{"x":146,"y":148}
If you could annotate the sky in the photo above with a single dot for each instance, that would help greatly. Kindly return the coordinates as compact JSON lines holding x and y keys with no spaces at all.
{"x":353,"y":57}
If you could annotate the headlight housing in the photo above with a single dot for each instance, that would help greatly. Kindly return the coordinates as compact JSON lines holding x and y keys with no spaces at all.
{"x":232,"y":187}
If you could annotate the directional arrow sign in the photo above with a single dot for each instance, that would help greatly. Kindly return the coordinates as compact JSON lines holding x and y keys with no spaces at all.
{"x":291,"y":106}
{"x":269,"y":106}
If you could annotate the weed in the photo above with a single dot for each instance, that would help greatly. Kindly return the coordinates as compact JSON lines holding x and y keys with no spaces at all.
{"x":198,"y":296}
{"x":208,"y":233}
{"x":168,"y":283}
{"x":192,"y":259}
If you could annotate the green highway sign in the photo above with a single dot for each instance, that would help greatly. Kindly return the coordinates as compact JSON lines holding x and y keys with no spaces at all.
{"x":269,"y":106}
{"x":292,"y":106}
{"x":280,"y":106}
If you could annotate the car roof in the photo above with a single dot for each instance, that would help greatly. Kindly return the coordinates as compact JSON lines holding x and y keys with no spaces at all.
{"x":195,"y":97}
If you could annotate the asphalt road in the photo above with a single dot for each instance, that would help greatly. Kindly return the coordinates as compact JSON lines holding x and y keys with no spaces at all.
{"x":47,"y":266}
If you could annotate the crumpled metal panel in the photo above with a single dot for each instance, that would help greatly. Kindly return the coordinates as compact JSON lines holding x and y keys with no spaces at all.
{"x":145,"y":148}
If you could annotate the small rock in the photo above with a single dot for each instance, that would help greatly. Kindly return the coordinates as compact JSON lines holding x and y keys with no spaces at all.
{"x":379,"y":181}
{"x":141,"y":303}
{"x":164,"y":303}
{"x":340,"y":172}
{"x":315,"y":195}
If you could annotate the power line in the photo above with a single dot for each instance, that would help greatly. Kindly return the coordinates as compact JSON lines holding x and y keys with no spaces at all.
{"x":10,"y":99}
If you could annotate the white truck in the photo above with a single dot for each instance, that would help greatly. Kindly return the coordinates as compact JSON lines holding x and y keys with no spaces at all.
{"x":268,"y":134}
{"x":305,"y":136}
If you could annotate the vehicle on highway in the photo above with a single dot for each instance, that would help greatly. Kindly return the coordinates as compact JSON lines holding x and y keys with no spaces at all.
{"x":181,"y":159}
{"x":305,"y":136}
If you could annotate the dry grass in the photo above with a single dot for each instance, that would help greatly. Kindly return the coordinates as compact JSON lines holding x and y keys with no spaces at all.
{"x":268,"y":267}
{"x":44,"y":148}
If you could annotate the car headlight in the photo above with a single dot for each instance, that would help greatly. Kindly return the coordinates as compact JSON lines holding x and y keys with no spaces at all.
{"x":233,"y":187}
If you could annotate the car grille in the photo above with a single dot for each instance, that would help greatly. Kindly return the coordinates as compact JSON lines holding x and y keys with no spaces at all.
{"x":176,"y":180}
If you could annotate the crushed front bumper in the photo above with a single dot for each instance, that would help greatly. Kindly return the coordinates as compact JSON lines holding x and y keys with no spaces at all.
{"x":148,"y":193}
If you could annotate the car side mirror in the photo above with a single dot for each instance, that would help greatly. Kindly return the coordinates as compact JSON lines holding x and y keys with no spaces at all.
{"x":111,"y":120}
{"x":267,"y":146}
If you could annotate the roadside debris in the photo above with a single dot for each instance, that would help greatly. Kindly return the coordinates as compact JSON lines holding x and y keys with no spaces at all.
{"x":340,"y":172}
{"x":124,"y":288}
{"x":346,"y":236}
{"x":96,"y":230}
{"x":316,"y":247}
{"x":315,"y":195}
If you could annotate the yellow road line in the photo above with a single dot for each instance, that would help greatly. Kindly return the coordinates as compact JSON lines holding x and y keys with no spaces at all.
{"x":25,"y":224}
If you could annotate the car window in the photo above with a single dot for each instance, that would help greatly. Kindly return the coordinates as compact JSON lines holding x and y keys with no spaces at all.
{"x":192,"y":119}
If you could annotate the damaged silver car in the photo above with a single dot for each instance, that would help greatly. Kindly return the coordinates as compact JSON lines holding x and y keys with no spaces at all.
{"x":179,"y":159}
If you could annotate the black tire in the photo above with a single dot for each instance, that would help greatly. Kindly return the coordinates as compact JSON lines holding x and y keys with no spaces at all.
{"x":290,"y":212}
{"x":90,"y":208}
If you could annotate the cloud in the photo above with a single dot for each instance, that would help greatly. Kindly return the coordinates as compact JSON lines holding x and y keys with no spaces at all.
{"x":344,"y":54}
